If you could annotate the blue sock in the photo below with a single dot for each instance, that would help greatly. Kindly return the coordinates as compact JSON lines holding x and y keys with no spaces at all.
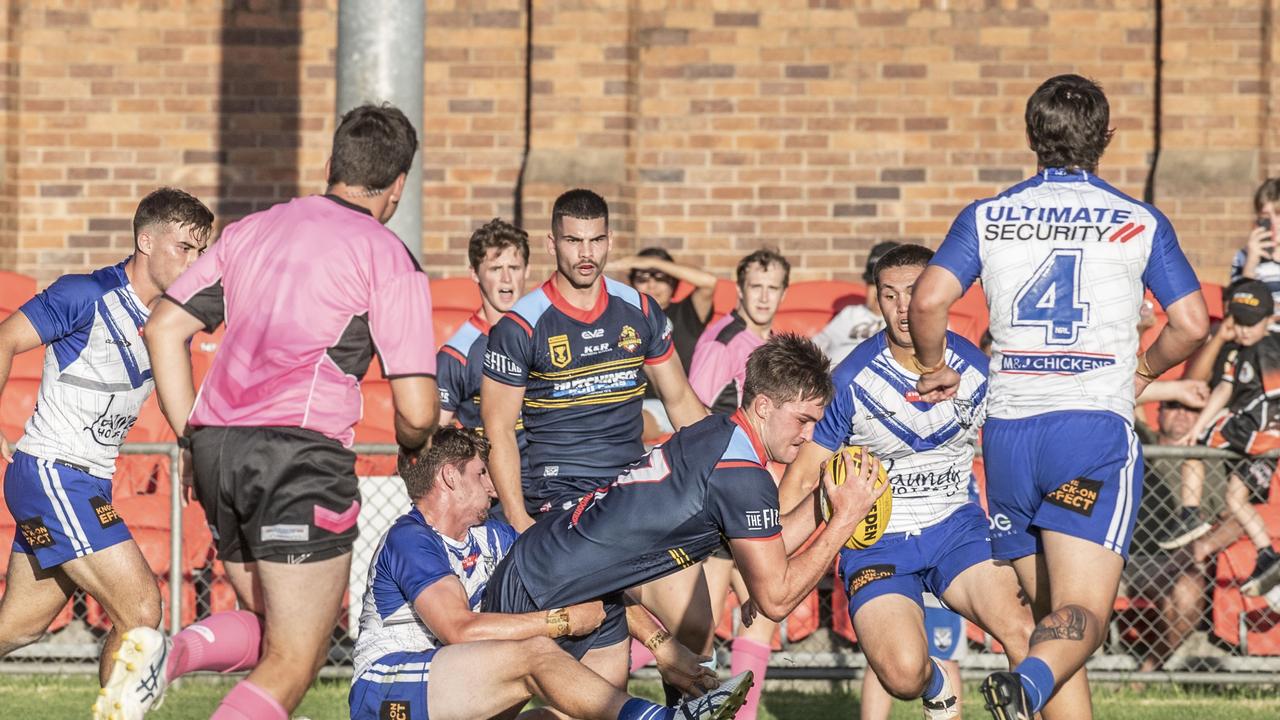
{"x":935,"y":681}
{"x":1037,"y":680}
{"x":640,"y":709}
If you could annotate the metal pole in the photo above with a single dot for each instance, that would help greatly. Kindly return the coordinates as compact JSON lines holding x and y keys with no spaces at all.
{"x":175,"y":542}
{"x":380,"y":58}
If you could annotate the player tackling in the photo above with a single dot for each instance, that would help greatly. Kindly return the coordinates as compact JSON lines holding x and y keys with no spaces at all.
{"x":1063,"y":258}
{"x":936,"y":541}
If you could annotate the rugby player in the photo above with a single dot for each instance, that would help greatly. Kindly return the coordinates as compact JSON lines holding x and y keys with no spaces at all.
{"x":670,"y":510}
{"x":717,"y":372}
{"x":310,"y":290}
{"x":97,"y":375}
{"x":574,"y":355}
{"x":1063,"y":258}
{"x":424,"y":650}
{"x":936,"y":541}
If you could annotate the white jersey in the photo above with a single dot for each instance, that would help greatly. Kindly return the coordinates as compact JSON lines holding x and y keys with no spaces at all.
{"x":410,"y":557}
{"x":97,"y":373}
{"x":1063,"y":259}
{"x":927,"y":448}
{"x":850,"y":326}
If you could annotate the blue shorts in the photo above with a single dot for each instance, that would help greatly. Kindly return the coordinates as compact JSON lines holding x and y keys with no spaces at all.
{"x":909,"y":563}
{"x":944,"y":631}
{"x":62,"y":512}
{"x":393,"y":688}
{"x":1074,"y":472}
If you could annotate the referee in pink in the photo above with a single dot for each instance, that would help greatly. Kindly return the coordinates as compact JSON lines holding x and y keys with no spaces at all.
{"x":311,"y":291}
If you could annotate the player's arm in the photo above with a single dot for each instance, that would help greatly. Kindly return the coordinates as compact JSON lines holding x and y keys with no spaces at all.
{"x":678,"y":665}
{"x":801,"y":477}
{"x":682,"y":404}
{"x":168,"y":334}
{"x":444,"y":608}
{"x":1216,"y":403}
{"x":1187,"y":328}
{"x":1191,"y":393}
{"x":17,"y":335}
{"x":776,"y":584}
{"x":935,"y":291}
{"x":500,"y":411}
{"x":1174,"y":284}
{"x":416,"y":402}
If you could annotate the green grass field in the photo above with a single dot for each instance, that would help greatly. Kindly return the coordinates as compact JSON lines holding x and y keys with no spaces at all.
{"x":70,"y":697}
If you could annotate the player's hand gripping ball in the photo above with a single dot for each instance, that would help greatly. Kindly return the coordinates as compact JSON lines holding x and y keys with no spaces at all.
{"x":871,"y":527}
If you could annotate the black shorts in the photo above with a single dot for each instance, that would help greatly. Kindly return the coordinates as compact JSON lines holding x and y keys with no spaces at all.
{"x":280,"y":494}
{"x":506,"y":593}
{"x":1255,"y":473}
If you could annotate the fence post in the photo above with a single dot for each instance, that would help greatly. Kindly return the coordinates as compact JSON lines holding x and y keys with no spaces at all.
{"x":175,"y":541}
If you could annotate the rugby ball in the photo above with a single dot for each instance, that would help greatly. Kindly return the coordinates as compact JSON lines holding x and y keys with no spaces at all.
{"x":871,"y":527}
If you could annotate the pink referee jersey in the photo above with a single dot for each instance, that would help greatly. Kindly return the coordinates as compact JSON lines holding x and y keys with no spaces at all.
{"x":310,"y":291}
{"x":719,"y":366}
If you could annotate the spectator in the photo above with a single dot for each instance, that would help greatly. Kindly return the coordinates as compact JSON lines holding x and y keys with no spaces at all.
{"x":719,"y":365}
{"x":1256,"y":260}
{"x":1251,"y":426}
{"x":653,"y":272}
{"x":855,"y":323}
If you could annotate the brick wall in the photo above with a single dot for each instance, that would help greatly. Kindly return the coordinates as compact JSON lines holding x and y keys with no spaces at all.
{"x":818,"y":126}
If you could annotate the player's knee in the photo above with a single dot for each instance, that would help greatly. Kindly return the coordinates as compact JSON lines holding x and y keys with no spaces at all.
{"x":904,"y":677}
{"x":146,"y":613}
{"x":1014,"y":635}
{"x":12,"y":638}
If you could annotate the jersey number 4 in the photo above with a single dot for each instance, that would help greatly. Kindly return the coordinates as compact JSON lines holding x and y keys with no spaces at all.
{"x":1051,"y":299}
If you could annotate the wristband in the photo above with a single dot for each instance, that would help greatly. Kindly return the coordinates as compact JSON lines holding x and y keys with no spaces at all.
{"x":184,"y":442}
{"x":656,"y":640}
{"x":1144,"y":369}
{"x":558,"y":622}
{"x":920,"y":369}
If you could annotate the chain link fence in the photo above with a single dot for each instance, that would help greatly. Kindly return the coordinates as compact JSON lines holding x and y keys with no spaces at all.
{"x":1180,"y":616}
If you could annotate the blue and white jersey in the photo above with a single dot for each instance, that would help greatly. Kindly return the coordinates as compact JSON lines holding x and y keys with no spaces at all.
{"x":97,"y":373}
{"x":926,"y":448}
{"x":409,"y":559}
{"x":1063,"y":259}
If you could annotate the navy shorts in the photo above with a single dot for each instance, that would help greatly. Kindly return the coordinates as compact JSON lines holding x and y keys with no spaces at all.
{"x":62,"y":512}
{"x":1074,"y":472}
{"x":911,"y":564}
{"x":393,"y":688}
{"x":506,"y":593}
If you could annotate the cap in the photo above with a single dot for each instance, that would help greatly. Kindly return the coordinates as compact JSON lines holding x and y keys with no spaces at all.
{"x":1251,"y":302}
{"x":877,"y":251}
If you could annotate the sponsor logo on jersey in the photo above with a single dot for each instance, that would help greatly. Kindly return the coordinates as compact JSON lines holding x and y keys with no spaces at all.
{"x":1053,"y":363}
{"x":551,"y":471}
{"x":110,"y":428}
{"x":880,"y":414}
{"x":595,"y":334}
{"x":1078,"y":496}
{"x":107,"y":515}
{"x":444,"y":395}
{"x":35,"y":533}
{"x":590,"y":350}
{"x":394,"y":710}
{"x":965,"y":409}
{"x":1054,"y":224}
{"x":765,"y":519}
{"x":469,"y":561}
{"x":870,"y":574}
{"x":608,"y":382}
{"x":121,"y":341}
{"x":1000,"y":523}
{"x":501,"y":364}
{"x":561,"y":356}
{"x":628,"y":340}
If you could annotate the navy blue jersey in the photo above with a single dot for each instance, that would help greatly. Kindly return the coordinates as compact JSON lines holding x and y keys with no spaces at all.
{"x":704,"y":486}
{"x":583,"y":374}
{"x":459,"y":372}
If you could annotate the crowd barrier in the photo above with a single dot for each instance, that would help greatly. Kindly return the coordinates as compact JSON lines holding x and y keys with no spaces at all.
{"x":1180,"y":615}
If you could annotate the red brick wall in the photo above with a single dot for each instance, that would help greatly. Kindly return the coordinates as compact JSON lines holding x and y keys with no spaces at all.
{"x":818,"y":126}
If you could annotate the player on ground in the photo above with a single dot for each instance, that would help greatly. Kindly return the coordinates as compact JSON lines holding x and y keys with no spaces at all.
{"x":57,"y":483}
{"x":936,"y":541}
{"x":670,"y":510}
{"x":425,"y":650}
{"x":575,"y":355}
{"x":1063,"y":259}
{"x":309,"y":290}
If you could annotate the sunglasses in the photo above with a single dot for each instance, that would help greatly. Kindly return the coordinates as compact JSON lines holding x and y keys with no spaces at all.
{"x":647,"y":275}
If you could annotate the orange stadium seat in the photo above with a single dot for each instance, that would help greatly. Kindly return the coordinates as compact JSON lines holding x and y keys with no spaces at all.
{"x":453,"y":300}
{"x":15,"y":289}
{"x":1247,"y":623}
{"x":968,"y":317}
{"x":377,"y":425}
{"x":808,"y":306}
